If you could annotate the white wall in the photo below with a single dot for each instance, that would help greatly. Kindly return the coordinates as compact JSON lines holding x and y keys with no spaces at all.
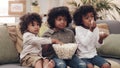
{"x":45,"y":5}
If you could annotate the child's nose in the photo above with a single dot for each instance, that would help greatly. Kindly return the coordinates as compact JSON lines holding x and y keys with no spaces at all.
{"x":36,"y":27}
{"x":62,"y":21}
{"x":90,"y":19}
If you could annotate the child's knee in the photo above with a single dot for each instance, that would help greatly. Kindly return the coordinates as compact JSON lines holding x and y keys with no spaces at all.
{"x":82,"y":65}
{"x":106,"y":65}
{"x":61,"y":65}
{"x":90,"y":66}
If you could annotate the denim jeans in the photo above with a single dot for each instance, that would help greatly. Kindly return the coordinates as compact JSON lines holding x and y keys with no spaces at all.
{"x":75,"y":62}
{"x":97,"y":60}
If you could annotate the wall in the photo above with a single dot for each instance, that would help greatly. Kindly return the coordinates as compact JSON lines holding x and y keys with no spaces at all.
{"x":45,"y":5}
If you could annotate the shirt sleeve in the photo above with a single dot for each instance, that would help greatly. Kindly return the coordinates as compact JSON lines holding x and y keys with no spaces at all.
{"x":32,"y":39}
{"x":98,"y":37}
{"x":73,"y":36}
{"x":83,"y":36}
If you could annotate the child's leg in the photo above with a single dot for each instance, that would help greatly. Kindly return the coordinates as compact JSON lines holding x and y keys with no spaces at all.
{"x":75,"y":62}
{"x":32,"y":61}
{"x":90,"y":65}
{"x":59,"y":63}
{"x":101,"y":62}
{"x":39,"y":64}
{"x":48,"y":64}
{"x":106,"y":65}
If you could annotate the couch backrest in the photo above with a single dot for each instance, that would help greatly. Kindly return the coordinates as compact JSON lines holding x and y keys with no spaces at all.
{"x":113,"y":25}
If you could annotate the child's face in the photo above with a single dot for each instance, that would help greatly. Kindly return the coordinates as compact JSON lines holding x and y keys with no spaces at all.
{"x":33,"y":28}
{"x":86,"y":19}
{"x":60,"y":22}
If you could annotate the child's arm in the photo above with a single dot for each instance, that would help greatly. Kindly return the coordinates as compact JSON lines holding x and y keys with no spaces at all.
{"x":43,"y":40}
{"x":32,"y":39}
{"x":92,"y":25}
{"x":102,"y":37}
{"x":56,"y":41}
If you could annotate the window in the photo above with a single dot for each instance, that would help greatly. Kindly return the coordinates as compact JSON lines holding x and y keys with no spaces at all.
{"x":4,"y":16}
{"x":4,"y":7}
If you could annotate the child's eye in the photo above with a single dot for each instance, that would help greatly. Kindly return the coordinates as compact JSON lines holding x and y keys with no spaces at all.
{"x":92,"y":16}
{"x":59,"y":19}
{"x":86,"y":17}
{"x":37,"y":24}
{"x":65,"y":19}
{"x":32,"y":24}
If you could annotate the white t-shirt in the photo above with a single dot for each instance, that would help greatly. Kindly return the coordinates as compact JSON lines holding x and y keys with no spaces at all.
{"x":32,"y":44}
{"x":87,"y":42}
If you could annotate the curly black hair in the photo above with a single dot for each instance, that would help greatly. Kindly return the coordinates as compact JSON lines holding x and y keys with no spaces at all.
{"x":28,"y":18}
{"x":81,"y":11}
{"x":58,"y":11}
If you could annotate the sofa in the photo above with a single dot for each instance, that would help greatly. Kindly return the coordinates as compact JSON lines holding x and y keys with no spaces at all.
{"x":10,"y":46}
{"x":111,"y":48}
{"x":11,"y":40}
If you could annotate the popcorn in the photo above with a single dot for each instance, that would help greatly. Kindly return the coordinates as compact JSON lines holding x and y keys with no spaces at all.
{"x":65,"y":51}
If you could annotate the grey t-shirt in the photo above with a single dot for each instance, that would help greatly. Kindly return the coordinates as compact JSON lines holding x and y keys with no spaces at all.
{"x":65,"y":35}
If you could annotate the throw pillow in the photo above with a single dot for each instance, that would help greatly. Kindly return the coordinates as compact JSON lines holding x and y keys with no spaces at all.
{"x":19,"y":39}
{"x":43,"y":28}
{"x":12,"y":32}
{"x":8,"y":52}
{"x":15,"y":36}
{"x":111,"y":47}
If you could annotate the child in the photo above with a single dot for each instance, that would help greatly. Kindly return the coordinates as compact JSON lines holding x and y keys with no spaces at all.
{"x":31,"y":54}
{"x":88,"y":38}
{"x":58,"y":20}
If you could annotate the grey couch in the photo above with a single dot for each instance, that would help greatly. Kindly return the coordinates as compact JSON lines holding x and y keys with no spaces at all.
{"x":9,"y":54}
{"x":114,"y":27}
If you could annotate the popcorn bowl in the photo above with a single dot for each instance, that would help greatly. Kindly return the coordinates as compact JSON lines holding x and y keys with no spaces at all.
{"x":65,"y":51}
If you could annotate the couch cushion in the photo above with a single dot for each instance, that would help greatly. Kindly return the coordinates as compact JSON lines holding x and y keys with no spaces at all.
{"x":8,"y":52}
{"x":16,"y":65}
{"x":111,"y":47}
{"x":12,"y":33}
{"x":115,"y":63}
{"x":16,"y":36}
{"x":43,"y":28}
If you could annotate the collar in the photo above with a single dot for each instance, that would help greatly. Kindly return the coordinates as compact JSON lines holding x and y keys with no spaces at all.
{"x":52,"y":31}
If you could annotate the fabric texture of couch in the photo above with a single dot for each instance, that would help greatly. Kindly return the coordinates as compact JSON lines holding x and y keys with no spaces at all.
{"x":111,"y":48}
{"x":10,"y":48}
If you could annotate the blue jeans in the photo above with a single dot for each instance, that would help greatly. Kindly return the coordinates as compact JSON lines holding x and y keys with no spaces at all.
{"x":97,"y":60}
{"x":75,"y":62}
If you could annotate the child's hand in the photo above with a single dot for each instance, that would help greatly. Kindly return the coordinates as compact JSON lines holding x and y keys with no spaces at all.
{"x":102,"y":35}
{"x":92,"y":25}
{"x":56,"y":41}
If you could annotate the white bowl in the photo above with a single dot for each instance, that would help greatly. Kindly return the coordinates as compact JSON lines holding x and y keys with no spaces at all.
{"x":65,"y":51}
